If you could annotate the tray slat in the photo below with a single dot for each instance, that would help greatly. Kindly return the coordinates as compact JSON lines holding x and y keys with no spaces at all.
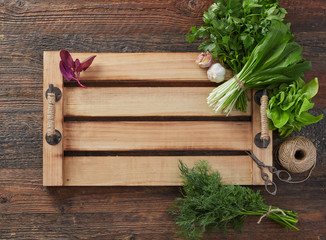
{"x":143,"y":66}
{"x":144,"y":135}
{"x":140,"y":101}
{"x":149,"y":171}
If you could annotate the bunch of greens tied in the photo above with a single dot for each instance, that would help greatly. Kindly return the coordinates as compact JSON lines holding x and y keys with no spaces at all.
{"x":275,"y":60}
{"x":207,"y":204}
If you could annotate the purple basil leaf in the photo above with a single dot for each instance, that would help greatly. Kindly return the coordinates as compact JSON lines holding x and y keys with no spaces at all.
{"x":77,"y":65}
{"x":67,"y":59}
{"x":66,"y":72}
{"x":87,"y":62}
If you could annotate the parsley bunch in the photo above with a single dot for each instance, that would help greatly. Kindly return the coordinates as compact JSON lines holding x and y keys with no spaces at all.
{"x":234,"y":27}
{"x":207,"y":204}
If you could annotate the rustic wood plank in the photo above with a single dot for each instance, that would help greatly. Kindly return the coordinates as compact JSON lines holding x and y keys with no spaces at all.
{"x":263,"y":154}
{"x":150,"y":170}
{"x":28,"y":208}
{"x":22,"y":193}
{"x":144,"y":66}
{"x":158,"y":135}
{"x":30,"y":27}
{"x":140,"y":101}
{"x":52,"y":154}
{"x":128,"y":17}
{"x":131,"y":17}
{"x":312,"y":15}
{"x":21,"y":138}
{"x":142,"y":222}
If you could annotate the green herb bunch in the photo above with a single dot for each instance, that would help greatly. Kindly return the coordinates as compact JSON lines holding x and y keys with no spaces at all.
{"x":208,"y":205}
{"x":288,"y":106}
{"x":234,"y":27}
{"x":275,"y":60}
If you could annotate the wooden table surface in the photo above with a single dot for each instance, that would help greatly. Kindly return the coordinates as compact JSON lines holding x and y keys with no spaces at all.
{"x":30,"y":211}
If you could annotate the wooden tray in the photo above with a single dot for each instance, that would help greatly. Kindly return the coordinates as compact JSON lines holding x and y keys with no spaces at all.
{"x":140,"y":114}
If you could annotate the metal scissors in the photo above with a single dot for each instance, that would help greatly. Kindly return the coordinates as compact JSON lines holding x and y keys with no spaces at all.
{"x":273,"y":170}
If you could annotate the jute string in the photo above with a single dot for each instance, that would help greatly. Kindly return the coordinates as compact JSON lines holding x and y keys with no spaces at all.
{"x":264,"y":120}
{"x":241,"y":84}
{"x":297,"y":155}
{"x":270,"y":210}
{"x":50,"y":130}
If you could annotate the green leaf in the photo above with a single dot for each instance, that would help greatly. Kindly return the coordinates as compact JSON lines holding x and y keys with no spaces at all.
{"x":281,"y":97}
{"x":247,"y":40}
{"x":279,"y":117}
{"x":234,"y":7}
{"x":306,"y":105}
{"x":220,"y":25}
{"x":274,"y":17}
{"x":210,"y":47}
{"x":209,"y":16}
{"x":252,"y":4}
{"x":284,"y":132}
{"x":190,"y":37}
{"x":310,"y":89}
{"x":226,"y":40}
{"x":286,"y":106}
{"x":307,"y":118}
{"x":300,"y":83}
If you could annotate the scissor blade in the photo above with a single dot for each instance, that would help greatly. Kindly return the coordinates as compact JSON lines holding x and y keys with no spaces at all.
{"x":253,"y":156}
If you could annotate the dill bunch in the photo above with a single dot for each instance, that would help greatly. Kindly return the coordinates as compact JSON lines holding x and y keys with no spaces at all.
{"x":208,"y":205}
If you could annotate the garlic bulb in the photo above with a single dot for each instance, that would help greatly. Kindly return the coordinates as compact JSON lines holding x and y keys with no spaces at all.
{"x":204,"y":60}
{"x":216,"y":73}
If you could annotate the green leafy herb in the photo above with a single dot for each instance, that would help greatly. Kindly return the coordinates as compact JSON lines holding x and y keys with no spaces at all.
{"x":275,"y":60}
{"x":207,"y":204}
{"x":234,"y":27}
{"x":288,"y":106}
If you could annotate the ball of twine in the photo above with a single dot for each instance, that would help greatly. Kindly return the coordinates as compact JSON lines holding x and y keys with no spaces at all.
{"x":298,"y":155}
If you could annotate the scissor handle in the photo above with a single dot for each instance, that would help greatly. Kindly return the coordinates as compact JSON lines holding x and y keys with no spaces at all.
{"x":268,"y":184}
{"x":287,"y":177}
{"x":279,"y":172}
{"x":264,"y":175}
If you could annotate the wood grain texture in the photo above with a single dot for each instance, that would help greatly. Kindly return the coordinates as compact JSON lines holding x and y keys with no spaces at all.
{"x":129,"y":16}
{"x":144,"y":66}
{"x":30,"y":211}
{"x":141,"y":101}
{"x":27,"y":209}
{"x":149,"y":170}
{"x":159,"y":135}
{"x":52,"y":154}
{"x":144,"y":101}
{"x":122,"y":17}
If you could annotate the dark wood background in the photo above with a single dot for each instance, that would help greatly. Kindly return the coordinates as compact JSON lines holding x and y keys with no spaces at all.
{"x":30,"y":211}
